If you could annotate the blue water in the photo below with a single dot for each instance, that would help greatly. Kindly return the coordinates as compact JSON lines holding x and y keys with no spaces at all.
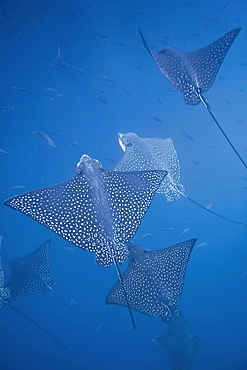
{"x":101,"y":38}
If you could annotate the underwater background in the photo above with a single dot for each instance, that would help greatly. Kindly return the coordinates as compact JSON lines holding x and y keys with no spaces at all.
{"x":107,"y":83}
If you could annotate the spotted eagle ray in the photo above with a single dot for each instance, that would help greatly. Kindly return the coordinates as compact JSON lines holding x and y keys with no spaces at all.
{"x":4,"y":293}
{"x":96,"y":210}
{"x":153,"y":154}
{"x":20,"y":283}
{"x":153,"y":280}
{"x":180,"y":343}
{"x":31,"y":274}
{"x":194,"y":73}
{"x":146,"y":154}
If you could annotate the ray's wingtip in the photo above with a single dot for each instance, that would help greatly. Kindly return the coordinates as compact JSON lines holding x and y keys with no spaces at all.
{"x":6,"y":202}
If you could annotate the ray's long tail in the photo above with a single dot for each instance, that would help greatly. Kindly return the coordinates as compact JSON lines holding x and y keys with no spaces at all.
{"x":61,"y":299}
{"x":221,"y":129}
{"x":125,"y":293}
{"x":38,"y":326}
{"x":209,"y":210}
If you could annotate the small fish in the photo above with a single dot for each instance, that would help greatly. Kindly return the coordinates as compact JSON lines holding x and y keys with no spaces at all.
{"x":184,"y":231}
{"x":68,"y":248}
{"x":3,"y":151}
{"x":107,"y":78}
{"x":196,"y":163}
{"x":101,"y":34}
{"x":186,"y":134}
{"x":52,"y":89}
{"x":127,"y":92}
{"x":210,"y":205}
{"x":49,"y":140}
{"x":6,"y":108}
{"x":146,"y":235}
{"x":157,"y":119}
{"x":15,"y":187}
{"x":200,"y":245}
{"x":100,"y":97}
{"x":56,"y":96}
{"x":13,"y":20}
{"x":80,"y":70}
{"x":21,"y":89}
{"x":8,"y":16}
{"x":58,"y":61}
{"x":160,"y":101}
{"x":168,"y":228}
{"x":56,"y":133}
{"x":98,"y":328}
{"x":74,"y":143}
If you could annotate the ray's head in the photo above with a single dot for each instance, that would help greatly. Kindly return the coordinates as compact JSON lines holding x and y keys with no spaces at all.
{"x":168,"y":51}
{"x":126,"y":140}
{"x":137,"y":254}
{"x":87,"y":163}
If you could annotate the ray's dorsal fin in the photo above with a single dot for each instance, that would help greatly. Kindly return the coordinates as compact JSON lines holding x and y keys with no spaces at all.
{"x":193,"y":73}
{"x":153,"y":280}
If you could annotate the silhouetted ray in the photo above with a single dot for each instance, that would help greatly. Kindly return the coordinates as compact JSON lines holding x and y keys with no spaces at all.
{"x":4,"y":293}
{"x":193,"y":73}
{"x":97,"y":210}
{"x":31,"y":274}
{"x":17,"y":288}
{"x":180,"y":343}
{"x":156,"y":154}
{"x":153,"y":280}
